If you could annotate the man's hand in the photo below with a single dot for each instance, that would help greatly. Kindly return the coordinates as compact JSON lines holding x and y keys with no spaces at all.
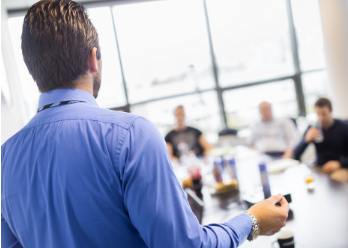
{"x":311,"y":134}
{"x":331,"y":166}
{"x":287,"y":154}
{"x":271,"y":218}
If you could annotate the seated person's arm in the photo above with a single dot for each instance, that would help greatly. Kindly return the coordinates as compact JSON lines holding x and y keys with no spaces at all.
{"x":170,"y":151}
{"x":204,"y":143}
{"x":288,"y":154}
{"x":308,"y":137}
{"x":8,"y":239}
{"x":344,"y":163}
{"x":331,"y":166}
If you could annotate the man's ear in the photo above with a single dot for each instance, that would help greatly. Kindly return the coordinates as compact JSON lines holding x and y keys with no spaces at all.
{"x":93,"y":61}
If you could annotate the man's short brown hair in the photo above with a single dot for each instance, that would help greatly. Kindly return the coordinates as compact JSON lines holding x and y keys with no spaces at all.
{"x":323,"y":102}
{"x":57,"y":39}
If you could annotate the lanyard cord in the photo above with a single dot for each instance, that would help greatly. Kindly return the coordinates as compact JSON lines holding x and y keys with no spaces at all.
{"x":51,"y":105}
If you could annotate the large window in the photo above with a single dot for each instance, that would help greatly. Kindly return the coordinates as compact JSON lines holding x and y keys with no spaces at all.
{"x":29,"y":89}
{"x":315,"y":85}
{"x":202,"y":111}
{"x":309,"y":34}
{"x":218,"y":58}
{"x":242,"y":105}
{"x":164,"y":48}
{"x":111,"y":93}
{"x":251,"y":40}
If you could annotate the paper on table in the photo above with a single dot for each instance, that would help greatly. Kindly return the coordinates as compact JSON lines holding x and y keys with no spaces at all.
{"x":281,"y":164}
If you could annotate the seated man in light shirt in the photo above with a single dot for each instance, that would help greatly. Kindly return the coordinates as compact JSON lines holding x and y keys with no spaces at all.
{"x":273,"y":136}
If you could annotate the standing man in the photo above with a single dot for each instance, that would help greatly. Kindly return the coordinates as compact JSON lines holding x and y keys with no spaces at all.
{"x":80,"y":176}
{"x":181,"y":133}
{"x":331,"y":142}
{"x":273,"y":136}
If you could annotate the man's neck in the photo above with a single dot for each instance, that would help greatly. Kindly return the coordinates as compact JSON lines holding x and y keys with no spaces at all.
{"x":85,"y":88}
{"x":268,"y":120}
{"x":85,"y":83}
{"x":180,"y":127}
{"x":330,"y":124}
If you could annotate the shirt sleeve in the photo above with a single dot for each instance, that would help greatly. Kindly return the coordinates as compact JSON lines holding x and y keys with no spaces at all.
{"x":156,"y":203}
{"x":301,"y":147}
{"x":168,"y":137}
{"x":198,"y":132}
{"x":8,"y":239}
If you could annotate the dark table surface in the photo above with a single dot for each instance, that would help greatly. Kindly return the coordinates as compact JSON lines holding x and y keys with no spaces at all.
{"x":318,"y":219}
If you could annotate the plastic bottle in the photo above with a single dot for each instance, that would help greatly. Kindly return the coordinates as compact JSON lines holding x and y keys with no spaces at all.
{"x":218,"y":169}
{"x":183,"y":151}
{"x":230,"y":164}
{"x":264,"y":180}
{"x":195,"y":173}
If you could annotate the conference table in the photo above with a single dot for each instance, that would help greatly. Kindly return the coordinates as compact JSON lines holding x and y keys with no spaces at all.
{"x":318,"y":218}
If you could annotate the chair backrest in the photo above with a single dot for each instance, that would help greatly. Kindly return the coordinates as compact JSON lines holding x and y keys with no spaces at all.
{"x":294,"y":121}
{"x":196,"y":204}
{"x":228,"y":131}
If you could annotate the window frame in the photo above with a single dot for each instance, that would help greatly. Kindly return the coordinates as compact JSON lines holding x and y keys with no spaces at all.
{"x":296,"y":77}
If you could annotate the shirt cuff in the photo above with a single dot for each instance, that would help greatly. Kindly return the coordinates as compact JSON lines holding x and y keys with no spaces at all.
{"x":242,"y":225}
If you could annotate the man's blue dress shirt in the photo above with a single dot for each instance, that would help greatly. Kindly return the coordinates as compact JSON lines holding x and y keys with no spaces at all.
{"x":80,"y":176}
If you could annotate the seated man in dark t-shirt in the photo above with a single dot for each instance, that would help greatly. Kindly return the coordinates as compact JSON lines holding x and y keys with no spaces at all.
{"x":190,"y":137}
{"x":331,"y":143}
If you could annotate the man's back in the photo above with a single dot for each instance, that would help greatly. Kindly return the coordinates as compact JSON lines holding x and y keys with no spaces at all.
{"x":61,"y":181}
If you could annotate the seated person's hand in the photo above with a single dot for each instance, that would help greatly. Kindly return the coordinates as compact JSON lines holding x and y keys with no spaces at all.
{"x":175,"y":159}
{"x":331,"y":166}
{"x":271,"y":218}
{"x":287,"y":154}
{"x":311,"y":134}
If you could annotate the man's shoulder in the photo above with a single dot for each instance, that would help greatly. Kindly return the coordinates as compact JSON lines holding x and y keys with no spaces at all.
{"x":342,"y":125}
{"x":171,"y":133}
{"x":83,"y":113}
{"x":119,"y":118}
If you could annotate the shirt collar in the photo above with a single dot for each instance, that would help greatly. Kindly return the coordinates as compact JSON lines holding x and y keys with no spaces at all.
{"x":59,"y":95}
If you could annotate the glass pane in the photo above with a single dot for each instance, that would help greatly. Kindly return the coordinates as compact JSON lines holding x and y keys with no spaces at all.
{"x":29,"y":89}
{"x":111,"y":93}
{"x":251,"y":40}
{"x":242,"y":105}
{"x":315,"y":85}
{"x":164,"y":48}
{"x":202,"y":112}
{"x":309,"y":34}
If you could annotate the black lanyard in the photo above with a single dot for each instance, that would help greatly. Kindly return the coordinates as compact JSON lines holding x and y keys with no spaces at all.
{"x":51,"y":105}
